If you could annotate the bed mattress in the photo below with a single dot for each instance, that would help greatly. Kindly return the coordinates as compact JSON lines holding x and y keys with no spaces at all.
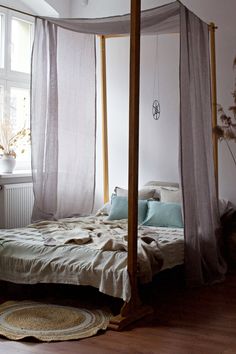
{"x":86,"y":251}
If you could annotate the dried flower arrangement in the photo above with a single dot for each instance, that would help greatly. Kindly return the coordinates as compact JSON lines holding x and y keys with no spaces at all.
{"x":12,"y":143}
{"x":227,"y":130}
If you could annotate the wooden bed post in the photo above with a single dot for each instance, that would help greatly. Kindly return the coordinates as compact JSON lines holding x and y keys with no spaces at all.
{"x":212,"y":29}
{"x":104,"y":120}
{"x":133,"y":149}
{"x":133,"y":310}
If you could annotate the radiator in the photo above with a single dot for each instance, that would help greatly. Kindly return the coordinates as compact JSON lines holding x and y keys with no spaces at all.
{"x":16,"y":203}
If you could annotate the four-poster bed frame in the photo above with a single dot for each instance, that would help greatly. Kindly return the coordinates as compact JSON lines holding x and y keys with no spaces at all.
{"x":134,"y":310}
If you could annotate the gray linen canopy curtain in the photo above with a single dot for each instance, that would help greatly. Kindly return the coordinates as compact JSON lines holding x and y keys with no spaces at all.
{"x":203,"y":260}
{"x":63,"y":120}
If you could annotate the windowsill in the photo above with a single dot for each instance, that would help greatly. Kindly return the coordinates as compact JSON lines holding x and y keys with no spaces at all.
{"x":18,"y":176}
{"x":17,"y":173}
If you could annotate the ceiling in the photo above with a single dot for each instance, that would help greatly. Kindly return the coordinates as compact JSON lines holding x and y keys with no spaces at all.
{"x":52,"y":8}
{"x":41,"y":7}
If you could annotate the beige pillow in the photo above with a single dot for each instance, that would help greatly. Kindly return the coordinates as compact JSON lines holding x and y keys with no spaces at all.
{"x":155,"y":188}
{"x":173,"y":185}
{"x":157,"y":195}
{"x":142,"y":193}
{"x":170,"y":196}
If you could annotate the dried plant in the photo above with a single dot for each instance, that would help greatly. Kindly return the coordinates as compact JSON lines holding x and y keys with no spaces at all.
{"x":227,"y":130}
{"x":11,"y":141}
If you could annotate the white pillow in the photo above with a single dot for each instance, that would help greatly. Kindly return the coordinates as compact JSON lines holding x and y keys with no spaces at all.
{"x":170,"y":196}
{"x":142,"y":193}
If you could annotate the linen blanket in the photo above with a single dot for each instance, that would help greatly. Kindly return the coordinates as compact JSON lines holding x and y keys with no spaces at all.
{"x":85,"y":251}
{"x":100,"y":234}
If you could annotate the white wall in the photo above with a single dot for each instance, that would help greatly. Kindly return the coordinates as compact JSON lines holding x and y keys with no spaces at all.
{"x":18,"y":5}
{"x":218,"y":11}
{"x":158,"y":158}
{"x":53,"y":8}
{"x":102,"y":8}
{"x":159,"y":73}
{"x":62,"y":6}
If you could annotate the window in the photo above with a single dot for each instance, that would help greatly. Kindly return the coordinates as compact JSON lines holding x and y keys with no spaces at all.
{"x":1,"y":101}
{"x":19,"y":107}
{"x":21,"y":37}
{"x":2,"y":35}
{"x":16,"y":36}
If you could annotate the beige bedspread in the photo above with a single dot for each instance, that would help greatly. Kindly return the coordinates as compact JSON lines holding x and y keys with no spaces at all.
{"x":86,"y":251}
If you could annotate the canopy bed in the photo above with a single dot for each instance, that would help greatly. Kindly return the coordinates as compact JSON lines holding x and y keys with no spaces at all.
{"x":64,"y":57}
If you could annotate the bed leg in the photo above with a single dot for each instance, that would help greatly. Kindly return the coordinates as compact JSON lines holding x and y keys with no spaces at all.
{"x":130,"y":312}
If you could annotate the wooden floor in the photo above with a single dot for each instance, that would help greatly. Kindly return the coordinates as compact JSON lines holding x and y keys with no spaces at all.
{"x":196,"y":321}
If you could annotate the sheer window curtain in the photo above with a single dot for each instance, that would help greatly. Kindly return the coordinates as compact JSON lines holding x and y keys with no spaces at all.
{"x":203,"y":261}
{"x":63,"y":121}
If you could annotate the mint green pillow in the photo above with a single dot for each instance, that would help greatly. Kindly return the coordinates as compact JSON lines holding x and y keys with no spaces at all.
{"x":164,"y":215}
{"x":119,"y":209}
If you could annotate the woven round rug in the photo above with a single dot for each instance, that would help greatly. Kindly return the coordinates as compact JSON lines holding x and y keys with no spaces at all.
{"x":48,"y":322}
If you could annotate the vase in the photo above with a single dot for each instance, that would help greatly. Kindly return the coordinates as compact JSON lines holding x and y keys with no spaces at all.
{"x":7,"y":163}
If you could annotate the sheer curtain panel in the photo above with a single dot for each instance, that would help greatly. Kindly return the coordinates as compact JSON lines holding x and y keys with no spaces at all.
{"x":203,"y":260}
{"x":63,"y":121}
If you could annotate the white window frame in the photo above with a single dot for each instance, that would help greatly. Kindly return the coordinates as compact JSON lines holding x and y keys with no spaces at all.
{"x":4,"y":30}
{"x":2,"y":25}
{"x":10,"y":78}
{"x":3,"y":84}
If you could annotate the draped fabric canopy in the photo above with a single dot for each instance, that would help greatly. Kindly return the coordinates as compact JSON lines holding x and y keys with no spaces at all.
{"x":64,"y":124}
{"x":160,"y":20}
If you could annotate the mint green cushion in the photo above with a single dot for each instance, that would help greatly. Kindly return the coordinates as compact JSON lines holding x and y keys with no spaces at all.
{"x":119,"y":209}
{"x":164,"y":215}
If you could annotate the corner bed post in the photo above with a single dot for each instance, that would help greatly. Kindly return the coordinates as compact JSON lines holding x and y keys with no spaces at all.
{"x":104,"y":120}
{"x":212,"y":29}
{"x":133,"y":310}
{"x":133,"y":149}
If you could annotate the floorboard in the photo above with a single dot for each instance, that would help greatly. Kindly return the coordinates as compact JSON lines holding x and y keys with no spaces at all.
{"x":185,"y":321}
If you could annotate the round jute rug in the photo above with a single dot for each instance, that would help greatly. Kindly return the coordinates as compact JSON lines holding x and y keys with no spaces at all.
{"x":48,"y":322}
